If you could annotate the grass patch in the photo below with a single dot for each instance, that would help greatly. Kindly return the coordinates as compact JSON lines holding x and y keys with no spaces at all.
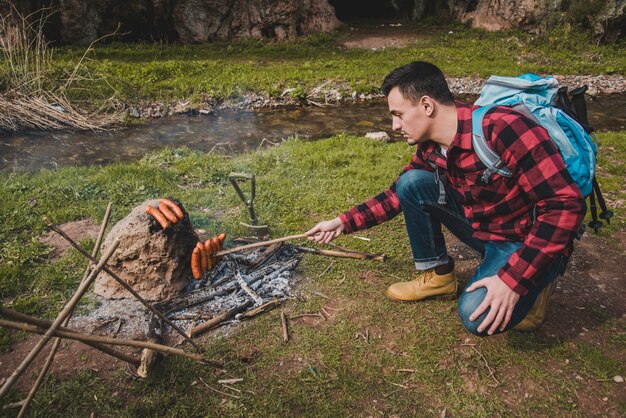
{"x":372,"y":357}
{"x":220,"y":71}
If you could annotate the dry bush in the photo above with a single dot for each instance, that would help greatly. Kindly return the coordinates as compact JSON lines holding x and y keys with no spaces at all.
{"x":34,"y":98}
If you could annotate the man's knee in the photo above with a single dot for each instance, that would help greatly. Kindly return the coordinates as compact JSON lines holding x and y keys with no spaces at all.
{"x":413,"y":184}
{"x":468,"y":303}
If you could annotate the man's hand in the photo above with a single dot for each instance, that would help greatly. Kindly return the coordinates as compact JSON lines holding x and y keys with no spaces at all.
{"x":326,"y":231}
{"x":501,"y":300}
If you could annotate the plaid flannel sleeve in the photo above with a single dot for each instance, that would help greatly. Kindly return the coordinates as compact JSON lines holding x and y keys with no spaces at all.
{"x":382,"y":207}
{"x":559,"y":205}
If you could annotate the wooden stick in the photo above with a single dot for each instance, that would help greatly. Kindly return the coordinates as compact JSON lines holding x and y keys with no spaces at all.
{"x":149,"y":356}
{"x":261,"y":309}
{"x":42,"y":323}
{"x":283,"y":321}
{"x":57,"y":341}
{"x":242,"y":283}
{"x":212,"y":323}
{"x":82,"y":289}
{"x":344,"y":254}
{"x":260,"y":244}
{"x":128,"y":288}
{"x":108,"y":340}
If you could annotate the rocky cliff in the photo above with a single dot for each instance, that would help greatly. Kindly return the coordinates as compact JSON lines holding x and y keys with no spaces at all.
{"x":189,"y":21}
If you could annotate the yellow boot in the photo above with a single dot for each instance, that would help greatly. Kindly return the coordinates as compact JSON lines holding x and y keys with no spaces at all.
{"x":537,"y":314}
{"x":427,"y":285}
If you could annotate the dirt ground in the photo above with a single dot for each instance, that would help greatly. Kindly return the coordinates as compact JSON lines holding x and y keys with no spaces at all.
{"x":381,"y":36}
{"x":591,"y":293}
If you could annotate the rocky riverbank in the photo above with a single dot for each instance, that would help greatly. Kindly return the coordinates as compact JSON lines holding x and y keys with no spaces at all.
{"x":337,"y":93}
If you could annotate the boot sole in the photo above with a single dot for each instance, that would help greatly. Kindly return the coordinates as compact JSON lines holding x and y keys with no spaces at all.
{"x":434,"y":297}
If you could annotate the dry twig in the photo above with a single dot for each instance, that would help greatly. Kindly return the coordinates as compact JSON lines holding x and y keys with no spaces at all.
{"x":283,"y":320}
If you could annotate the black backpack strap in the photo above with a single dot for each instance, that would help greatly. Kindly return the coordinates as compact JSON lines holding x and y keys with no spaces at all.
{"x":605,"y":214}
{"x":595,"y":223}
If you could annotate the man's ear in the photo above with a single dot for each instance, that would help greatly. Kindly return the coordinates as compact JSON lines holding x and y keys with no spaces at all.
{"x":428,"y":105}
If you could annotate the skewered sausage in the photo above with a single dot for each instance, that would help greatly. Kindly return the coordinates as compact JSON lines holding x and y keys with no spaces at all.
{"x":156,"y":214}
{"x":203,"y":257}
{"x":195,"y":263}
{"x":221,"y":237}
{"x":174,"y":207}
{"x":209,"y":258}
{"x":167,"y":213}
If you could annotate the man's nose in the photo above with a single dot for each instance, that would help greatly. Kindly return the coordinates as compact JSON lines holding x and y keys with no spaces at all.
{"x":395,"y":124}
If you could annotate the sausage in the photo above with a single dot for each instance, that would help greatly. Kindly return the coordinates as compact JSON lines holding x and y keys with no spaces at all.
{"x":156,"y":214}
{"x":167,"y":213}
{"x":195,"y":263}
{"x":174,"y":207}
{"x":217,"y":246}
{"x":221,"y":237}
{"x":209,"y":256}
{"x":203,"y":257}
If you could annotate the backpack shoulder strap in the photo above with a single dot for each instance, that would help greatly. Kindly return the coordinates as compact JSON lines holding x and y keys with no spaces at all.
{"x":489,"y":157}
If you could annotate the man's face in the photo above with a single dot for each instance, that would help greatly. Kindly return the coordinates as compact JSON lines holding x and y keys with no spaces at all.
{"x":408,"y":118}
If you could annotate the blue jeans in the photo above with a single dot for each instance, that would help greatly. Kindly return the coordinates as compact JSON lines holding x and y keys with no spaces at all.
{"x":418,"y":193}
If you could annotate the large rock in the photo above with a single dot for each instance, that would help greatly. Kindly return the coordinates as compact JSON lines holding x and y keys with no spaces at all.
{"x":82,"y":22}
{"x":155,"y":262}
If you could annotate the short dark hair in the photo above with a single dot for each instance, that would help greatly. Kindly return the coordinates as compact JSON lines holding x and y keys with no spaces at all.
{"x":418,"y":79}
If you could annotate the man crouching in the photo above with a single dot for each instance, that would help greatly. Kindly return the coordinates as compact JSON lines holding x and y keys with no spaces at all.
{"x":523,"y":226}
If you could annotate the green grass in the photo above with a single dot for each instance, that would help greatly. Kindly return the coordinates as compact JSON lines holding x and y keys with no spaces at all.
{"x":328,"y":368}
{"x":220,"y":71}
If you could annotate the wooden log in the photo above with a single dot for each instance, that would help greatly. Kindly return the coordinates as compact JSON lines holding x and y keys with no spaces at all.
{"x":42,"y":323}
{"x":72,"y":335}
{"x":148,"y":355}
{"x":283,"y":321}
{"x":82,"y":289}
{"x":212,"y":323}
{"x":267,"y":306}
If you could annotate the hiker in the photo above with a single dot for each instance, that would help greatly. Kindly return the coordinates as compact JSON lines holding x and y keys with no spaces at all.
{"x":523,"y":225}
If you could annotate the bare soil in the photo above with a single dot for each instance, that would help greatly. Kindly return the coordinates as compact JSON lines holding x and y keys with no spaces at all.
{"x":381,"y":36}
{"x":77,"y":230}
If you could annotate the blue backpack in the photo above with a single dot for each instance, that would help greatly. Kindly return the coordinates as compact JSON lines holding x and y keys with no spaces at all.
{"x":565,"y":119}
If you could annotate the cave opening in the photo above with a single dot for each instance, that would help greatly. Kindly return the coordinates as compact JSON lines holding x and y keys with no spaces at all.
{"x":351,"y":10}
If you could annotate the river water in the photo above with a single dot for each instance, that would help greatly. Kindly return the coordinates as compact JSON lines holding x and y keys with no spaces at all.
{"x":224,"y":132}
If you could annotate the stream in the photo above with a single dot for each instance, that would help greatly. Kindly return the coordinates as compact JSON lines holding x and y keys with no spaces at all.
{"x":229,"y":132}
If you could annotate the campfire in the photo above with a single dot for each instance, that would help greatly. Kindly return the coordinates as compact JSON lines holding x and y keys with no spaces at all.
{"x":147,"y":294}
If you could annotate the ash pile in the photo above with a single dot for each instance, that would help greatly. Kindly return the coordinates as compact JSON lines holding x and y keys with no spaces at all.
{"x":154,"y":260}
{"x":240,"y":286}
{"x":240,"y":282}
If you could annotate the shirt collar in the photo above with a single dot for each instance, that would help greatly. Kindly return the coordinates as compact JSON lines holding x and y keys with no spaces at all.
{"x":463,"y":137}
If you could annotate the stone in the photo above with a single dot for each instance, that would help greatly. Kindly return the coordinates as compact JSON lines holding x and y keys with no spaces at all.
{"x":381,"y":136}
{"x":187,"y":21}
{"x":155,"y":262}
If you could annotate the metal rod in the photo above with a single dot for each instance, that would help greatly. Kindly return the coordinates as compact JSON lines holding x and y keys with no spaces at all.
{"x":128,"y":287}
{"x":82,"y":289}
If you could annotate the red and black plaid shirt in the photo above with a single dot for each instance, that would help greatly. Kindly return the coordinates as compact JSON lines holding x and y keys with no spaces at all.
{"x":503,"y":209}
